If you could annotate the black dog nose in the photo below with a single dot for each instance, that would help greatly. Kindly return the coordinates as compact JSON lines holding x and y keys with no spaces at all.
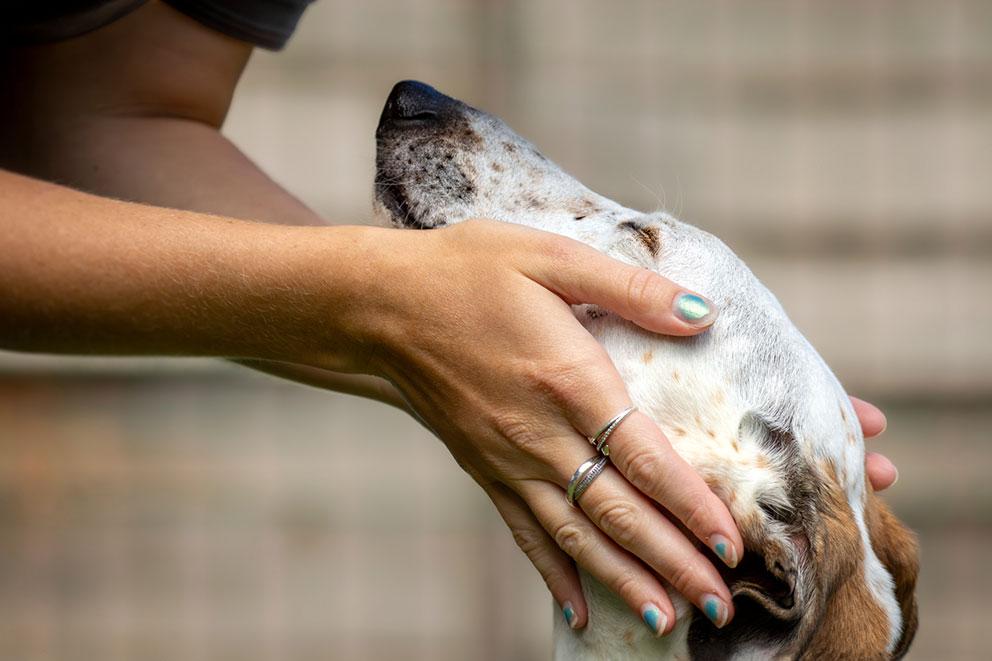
{"x":414,"y":102}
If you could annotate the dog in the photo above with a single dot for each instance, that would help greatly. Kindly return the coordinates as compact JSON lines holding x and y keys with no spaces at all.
{"x":829,"y":572}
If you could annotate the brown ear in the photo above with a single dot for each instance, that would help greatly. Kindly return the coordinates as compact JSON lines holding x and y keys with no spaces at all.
{"x":897,"y":548}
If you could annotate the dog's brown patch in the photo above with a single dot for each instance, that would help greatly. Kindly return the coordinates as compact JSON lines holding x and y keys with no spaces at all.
{"x":647,"y":357}
{"x":897,"y":548}
{"x":854,"y":624}
{"x":648,"y":235}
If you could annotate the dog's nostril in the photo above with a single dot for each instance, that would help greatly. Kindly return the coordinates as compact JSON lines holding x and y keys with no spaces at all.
{"x":421,"y":115}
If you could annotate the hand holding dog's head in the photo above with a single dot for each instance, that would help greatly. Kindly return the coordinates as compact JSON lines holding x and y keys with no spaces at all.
{"x":829,"y":572}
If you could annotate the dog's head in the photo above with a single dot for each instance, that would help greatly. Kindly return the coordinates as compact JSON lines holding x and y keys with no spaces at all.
{"x":829,"y":572}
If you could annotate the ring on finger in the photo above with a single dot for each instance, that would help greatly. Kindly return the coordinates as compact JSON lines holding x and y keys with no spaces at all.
{"x":599,"y":440}
{"x":583,"y":476}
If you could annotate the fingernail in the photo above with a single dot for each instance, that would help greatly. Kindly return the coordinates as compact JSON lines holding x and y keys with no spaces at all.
{"x":569,"y":614}
{"x":723,"y":548}
{"x":897,"y":476}
{"x":694,"y":309}
{"x":715,"y":609}
{"x":656,"y":620}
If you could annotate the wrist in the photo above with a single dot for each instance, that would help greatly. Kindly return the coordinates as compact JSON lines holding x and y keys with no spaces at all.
{"x":326,"y":295}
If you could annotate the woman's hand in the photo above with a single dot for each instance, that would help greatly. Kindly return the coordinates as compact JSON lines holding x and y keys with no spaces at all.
{"x":472,"y":324}
{"x":498,"y":367}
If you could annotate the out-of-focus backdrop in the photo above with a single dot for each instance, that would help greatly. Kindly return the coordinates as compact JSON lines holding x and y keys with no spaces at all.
{"x":191,"y":510}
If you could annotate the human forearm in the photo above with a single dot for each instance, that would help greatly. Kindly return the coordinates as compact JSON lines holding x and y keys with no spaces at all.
{"x":91,"y":275}
{"x":162,"y":160}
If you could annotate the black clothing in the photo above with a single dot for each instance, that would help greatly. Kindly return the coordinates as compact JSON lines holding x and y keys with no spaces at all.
{"x":265,"y":23}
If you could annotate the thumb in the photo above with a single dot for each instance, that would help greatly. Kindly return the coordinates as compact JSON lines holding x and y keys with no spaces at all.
{"x":580,"y":274}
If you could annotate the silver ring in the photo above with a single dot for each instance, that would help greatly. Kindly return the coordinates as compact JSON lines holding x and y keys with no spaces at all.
{"x":599,"y":440}
{"x":584,"y":476}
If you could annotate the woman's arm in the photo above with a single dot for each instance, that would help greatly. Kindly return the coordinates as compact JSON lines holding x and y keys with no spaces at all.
{"x":86,"y":274}
{"x":91,"y":115}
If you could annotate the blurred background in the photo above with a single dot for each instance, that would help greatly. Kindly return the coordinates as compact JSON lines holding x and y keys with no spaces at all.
{"x":191,"y":510}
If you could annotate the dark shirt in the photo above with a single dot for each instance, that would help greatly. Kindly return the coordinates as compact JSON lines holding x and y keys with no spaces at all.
{"x":265,"y":23}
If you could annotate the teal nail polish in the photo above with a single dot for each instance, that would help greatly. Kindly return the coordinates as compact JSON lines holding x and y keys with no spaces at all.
{"x":568,"y":612}
{"x":655,"y":619}
{"x":692,"y":308}
{"x":723,"y":548}
{"x":715,"y":611}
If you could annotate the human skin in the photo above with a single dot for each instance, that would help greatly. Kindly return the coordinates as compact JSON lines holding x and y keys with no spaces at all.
{"x":352,"y":309}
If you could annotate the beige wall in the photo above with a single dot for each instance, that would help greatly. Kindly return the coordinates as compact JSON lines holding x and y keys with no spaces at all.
{"x":844,"y":149}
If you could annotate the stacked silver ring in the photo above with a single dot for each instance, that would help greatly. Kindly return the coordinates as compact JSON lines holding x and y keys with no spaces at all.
{"x":583,"y":477}
{"x":599,"y":440}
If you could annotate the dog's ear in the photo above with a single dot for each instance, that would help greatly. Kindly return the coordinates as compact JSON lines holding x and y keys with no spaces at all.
{"x":853,"y":624}
{"x":897,"y":548}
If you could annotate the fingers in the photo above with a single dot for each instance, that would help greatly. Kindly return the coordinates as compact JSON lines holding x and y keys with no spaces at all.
{"x":604,"y":560}
{"x":642,"y":454}
{"x":554,"y":565}
{"x":645,"y":457}
{"x":640,"y":451}
{"x":872,"y":419}
{"x":882,"y":473}
{"x":630,"y":520}
{"x":581,"y":274}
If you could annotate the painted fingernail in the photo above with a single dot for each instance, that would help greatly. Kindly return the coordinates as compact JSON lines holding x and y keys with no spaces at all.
{"x":715,"y":609}
{"x":656,"y":620}
{"x":569,"y":613}
{"x":723,"y":548}
{"x":694,"y":309}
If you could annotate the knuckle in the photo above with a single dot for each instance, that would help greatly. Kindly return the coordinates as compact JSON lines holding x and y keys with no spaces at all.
{"x":559,"y":380}
{"x":557,"y":248}
{"x":682,"y":577}
{"x":643,"y":469}
{"x":698,"y":514}
{"x":519,"y":432}
{"x":554,"y":579}
{"x":621,"y":521}
{"x":626,"y":585}
{"x":644,"y":288}
{"x":572,"y":541}
{"x":530,"y":541}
